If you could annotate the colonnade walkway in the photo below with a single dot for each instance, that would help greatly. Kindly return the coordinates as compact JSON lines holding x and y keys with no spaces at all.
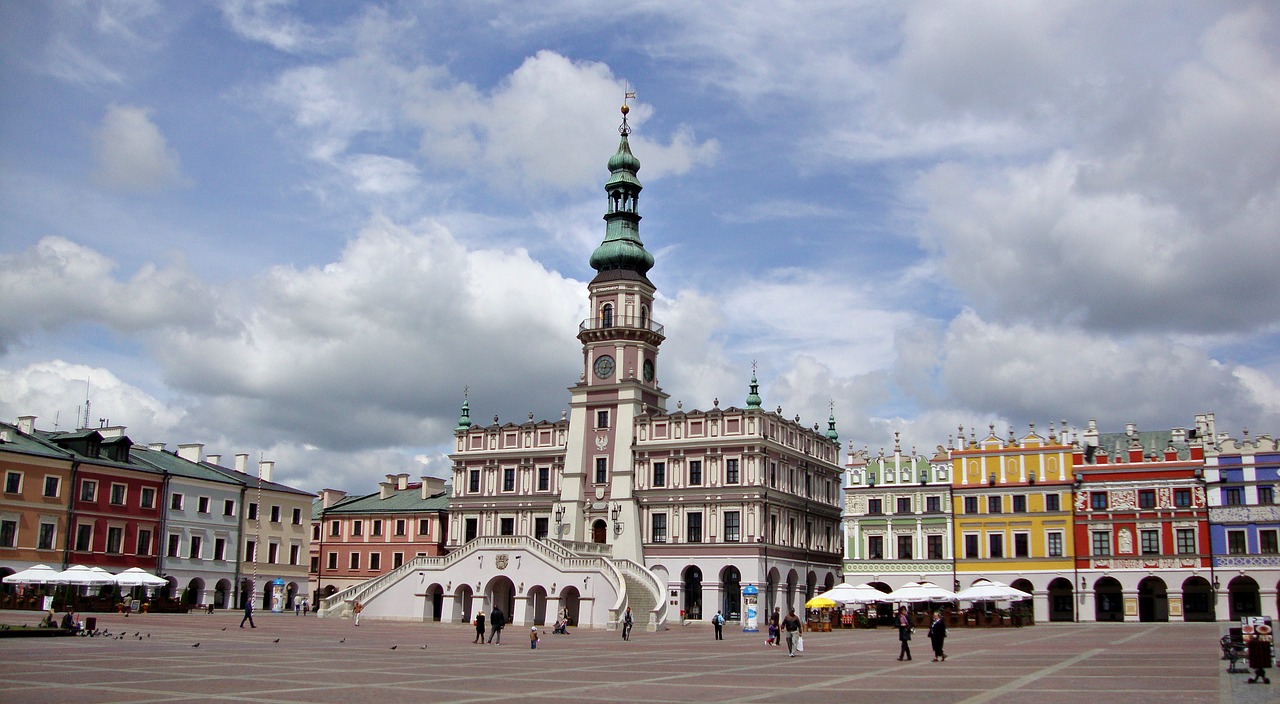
{"x":290,"y":659}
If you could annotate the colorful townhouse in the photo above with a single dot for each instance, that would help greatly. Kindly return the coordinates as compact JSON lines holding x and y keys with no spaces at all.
{"x":1011,"y":506}
{"x":34,"y":505}
{"x":1142,"y":527}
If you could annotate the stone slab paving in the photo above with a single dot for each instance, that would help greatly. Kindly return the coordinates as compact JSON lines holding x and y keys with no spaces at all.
{"x":326,"y":660}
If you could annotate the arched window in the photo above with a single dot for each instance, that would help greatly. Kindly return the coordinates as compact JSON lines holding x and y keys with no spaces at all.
{"x":606,"y":315}
{"x":644,"y":317}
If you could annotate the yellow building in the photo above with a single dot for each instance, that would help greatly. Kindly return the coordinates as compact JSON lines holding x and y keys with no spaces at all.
{"x":1011,"y":502}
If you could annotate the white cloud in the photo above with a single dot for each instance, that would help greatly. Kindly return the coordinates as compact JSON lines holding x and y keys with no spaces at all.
{"x":382,"y":175}
{"x":266,"y":21}
{"x":55,"y":392}
{"x":132,"y":154}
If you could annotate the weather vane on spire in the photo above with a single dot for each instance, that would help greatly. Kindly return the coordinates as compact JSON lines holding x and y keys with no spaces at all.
{"x":627,"y":94}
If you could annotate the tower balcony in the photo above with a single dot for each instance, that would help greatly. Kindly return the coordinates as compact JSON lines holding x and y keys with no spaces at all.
{"x":623,"y":326}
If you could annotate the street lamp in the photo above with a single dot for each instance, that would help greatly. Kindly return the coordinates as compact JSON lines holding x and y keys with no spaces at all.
{"x":560,"y":522}
{"x":617,"y":518}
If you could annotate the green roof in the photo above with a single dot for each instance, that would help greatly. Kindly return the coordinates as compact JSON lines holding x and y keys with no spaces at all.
{"x":408,"y":500}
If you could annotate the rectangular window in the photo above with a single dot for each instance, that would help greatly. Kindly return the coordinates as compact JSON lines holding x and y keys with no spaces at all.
{"x":544,"y":479}
{"x":202,"y":504}
{"x":1150,"y":542}
{"x":693,"y":533}
{"x":659,"y":531}
{"x":250,"y":550}
{"x":1052,"y":502}
{"x":1147,"y":498}
{"x":335,"y":529}
{"x":118,"y":492}
{"x":1101,"y":543}
{"x":875,"y":547}
{"x":13,"y":482}
{"x":333,"y":560}
{"x":196,"y":543}
{"x":732,"y":526}
{"x":994,"y":504}
{"x":175,"y":502}
{"x":51,"y":486}
{"x":315,"y":532}
{"x":1098,"y":501}
{"x":220,"y":548}
{"x":508,"y":478}
{"x":1021,"y":545}
{"x":541,"y":527}
{"x":904,"y":505}
{"x":84,"y":537}
{"x":602,"y":470}
{"x":297,"y":516}
{"x":471,"y":529}
{"x":933,"y":504}
{"x":144,"y":542}
{"x":175,"y":542}
{"x":602,"y":419}
{"x":874,"y":507}
{"x":115,"y":540}
{"x":996,"y":543}
{"x":253,"y":511}
{"x":397,"y":559}
{"x":228,"y":507}
{"x":659,"y":474}
{"x":1054,"y":544}
{"x":273,"y":553}
{"x":971,"y":547}
{"x":400,"y":527}
{"x":424,"y":526}
{"x":1266,"y":495}
{"x":88,"y":490}
{"x":8,"y":533}
{"x":275,"y":514}
{"x":376,"y":528}
{"x":1182,"y":498}
{"x":1019,"y":503}
{"x":507,"y":526}
{"x":695,"y":472}
{"x":934,"y":545}
{"x":970,"y":504}
{"x":473,"y":481}
{"x":1269,"y":542}
{"x":1236,"y":544}
{"x":295,"y":554}
{"x":731,"y":475}
{"x":147,"y":499}
{"x":904,"y":547}
{"x":1233,"y":496}
{"x":357,"y":528}
{"x":354,"y":561}
{"x":48,"y":531}
{"x":1185,"y":542}
{"x":375,"y":560}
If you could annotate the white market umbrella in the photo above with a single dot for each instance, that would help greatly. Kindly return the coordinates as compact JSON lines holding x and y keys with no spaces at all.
{"x":83,"y":576}
{"x":38,"y":574}
{"x":991,"y":590}
{"x":849,"y":594}
{"x":919,"y":592}
{"x":138,"y":577}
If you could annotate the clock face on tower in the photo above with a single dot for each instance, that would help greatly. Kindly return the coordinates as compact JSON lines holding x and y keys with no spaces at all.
{"x":604,"y":366}
{"x":648,"y":370}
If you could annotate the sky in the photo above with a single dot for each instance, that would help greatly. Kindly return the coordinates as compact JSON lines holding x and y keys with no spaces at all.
{"x":303,"y":230}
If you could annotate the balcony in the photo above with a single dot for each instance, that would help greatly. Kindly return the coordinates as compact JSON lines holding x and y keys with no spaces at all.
{"x":622,"y":323}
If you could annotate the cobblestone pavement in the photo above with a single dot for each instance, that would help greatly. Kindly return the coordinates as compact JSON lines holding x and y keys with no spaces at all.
{"x":327,"y":660}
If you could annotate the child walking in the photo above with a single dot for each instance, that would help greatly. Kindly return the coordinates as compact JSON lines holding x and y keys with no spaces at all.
{"x":533,"y":638}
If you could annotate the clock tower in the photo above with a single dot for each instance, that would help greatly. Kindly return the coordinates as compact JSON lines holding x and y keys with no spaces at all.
{"x":619,"y":379}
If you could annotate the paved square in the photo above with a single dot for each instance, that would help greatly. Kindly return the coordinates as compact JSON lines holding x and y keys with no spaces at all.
{"x":334,"y":661}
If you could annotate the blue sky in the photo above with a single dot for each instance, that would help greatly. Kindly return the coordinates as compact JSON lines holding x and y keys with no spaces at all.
{"x":300,"y":229}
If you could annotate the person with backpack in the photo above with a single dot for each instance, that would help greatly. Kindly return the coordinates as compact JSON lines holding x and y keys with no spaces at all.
{"x":718,"y":622}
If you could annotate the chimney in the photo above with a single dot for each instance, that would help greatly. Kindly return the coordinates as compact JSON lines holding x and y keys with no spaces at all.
{"x":26,"y":424}
{"x":213,"y":459}
{"x":265,"y":469}
{"x":402,"y":481}
{"x":191,"y":452}
{"x":6,"y":435}
{"x":329,"y":497}
{"x":155,"y":446}
{"x":386,"y":488}
{"x":242,"y":461}
{"x":112,"y":431}
{"x":1130,"y":429}
{"x":432,"y":486}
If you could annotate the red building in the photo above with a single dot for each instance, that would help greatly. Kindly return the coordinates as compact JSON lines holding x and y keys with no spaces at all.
{"x":1142,"y":528}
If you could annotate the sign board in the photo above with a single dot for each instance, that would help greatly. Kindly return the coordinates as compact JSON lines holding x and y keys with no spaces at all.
{"x":750,"y":594}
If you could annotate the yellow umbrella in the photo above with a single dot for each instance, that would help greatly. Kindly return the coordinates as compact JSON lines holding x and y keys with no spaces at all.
{"x":820,"y":602}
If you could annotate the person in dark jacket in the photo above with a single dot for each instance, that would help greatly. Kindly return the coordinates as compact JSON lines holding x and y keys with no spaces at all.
{"x":248,"y":613}
{"x":496,"y":621}
{"x":937,"y":634}
{"x":903,"y":622}
{"x":479,"y":629}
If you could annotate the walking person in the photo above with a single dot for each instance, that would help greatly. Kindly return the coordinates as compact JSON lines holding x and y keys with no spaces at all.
{"x":775,"y":627}
{"x":533,"y":639}
{"x":248,"y":613}
{"x":306,"y":607}
{"x":479,"y":629}
{"x":297,"y":607}
{"x":904,"y":633}
{"x":496,"y":621}
{"x":626,"y":624}
{"x":718,"y":622}
{"x":356,"y":609}
{"x":794,"y":628}
{"x":937,"y":634}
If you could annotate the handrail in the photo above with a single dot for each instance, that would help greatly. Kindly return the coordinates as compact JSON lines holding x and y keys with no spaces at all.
{"x":630,"y":567}
{"x":630,"y":322}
